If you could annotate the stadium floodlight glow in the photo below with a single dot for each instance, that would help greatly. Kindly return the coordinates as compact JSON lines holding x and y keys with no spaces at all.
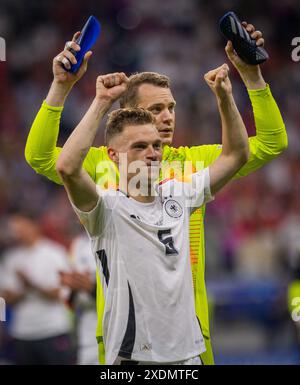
{"x":2,"y":49}
{"x":2,"y":310}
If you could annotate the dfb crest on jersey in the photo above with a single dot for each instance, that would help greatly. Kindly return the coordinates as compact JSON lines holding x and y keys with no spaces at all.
{"x":173,"y":208}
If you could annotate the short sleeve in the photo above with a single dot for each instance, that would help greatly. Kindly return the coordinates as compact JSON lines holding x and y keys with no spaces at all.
{"x":94,"y":220}
{"x":56,"y":261}
{"x":9,"y":279}
{"x":198,"y":191}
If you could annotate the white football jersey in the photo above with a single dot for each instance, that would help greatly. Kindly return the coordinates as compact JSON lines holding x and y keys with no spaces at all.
{"x":142,"y":254}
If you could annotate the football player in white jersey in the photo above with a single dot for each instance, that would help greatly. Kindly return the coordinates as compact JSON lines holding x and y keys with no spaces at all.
{"x":139,"y":232}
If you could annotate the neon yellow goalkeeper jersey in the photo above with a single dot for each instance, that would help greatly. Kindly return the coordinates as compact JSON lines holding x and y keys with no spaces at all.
{"x":270,"y":140}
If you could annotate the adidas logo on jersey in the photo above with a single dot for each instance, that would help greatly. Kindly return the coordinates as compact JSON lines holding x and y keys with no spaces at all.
{"x":146,"y":347}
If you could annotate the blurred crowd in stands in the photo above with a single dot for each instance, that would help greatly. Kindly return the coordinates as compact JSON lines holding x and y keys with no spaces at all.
{"x":253,"y":227}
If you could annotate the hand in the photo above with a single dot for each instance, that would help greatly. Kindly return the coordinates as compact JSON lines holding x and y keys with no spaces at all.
{"x":219,"y":82}
{"x":61,"y":76}
{"x":77,"y":281}
{"x":250,"y":73}
{"x":110,"y":87}
{"x":25,"y":280}
{"x":65,"y":278}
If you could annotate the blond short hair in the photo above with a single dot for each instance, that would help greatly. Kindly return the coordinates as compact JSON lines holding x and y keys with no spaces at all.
{"x":122,"y":117}
{"x":130,"y":96}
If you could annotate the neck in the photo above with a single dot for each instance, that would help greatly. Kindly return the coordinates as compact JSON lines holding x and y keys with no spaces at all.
{"x":136,"y":193}
{"x":31,"y":241}
{"x":143,"y":199}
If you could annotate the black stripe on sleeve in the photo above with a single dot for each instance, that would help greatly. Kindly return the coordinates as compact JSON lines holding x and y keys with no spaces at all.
{"x":129,"y":336}
{"x":103,"y":259}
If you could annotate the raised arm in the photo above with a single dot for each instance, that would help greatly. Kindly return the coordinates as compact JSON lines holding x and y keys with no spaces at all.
{"x":63,"y":81}
{"x":271,"y":137}
{"x":80,"y":187}
{"x":41,"y":152}
{"x":235,"y":149}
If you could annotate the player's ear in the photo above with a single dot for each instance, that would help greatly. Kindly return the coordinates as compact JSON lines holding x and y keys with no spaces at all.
{"x":113,"y":154}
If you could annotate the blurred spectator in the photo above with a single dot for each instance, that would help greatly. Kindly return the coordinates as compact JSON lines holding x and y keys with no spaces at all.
{"x":179,"y":38}
{"x":30,"y":285}
{"x":82,"y":282}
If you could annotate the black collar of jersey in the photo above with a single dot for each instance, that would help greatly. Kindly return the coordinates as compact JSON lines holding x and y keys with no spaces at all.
{"x":162,"y":198}
{"x":123,"y":193}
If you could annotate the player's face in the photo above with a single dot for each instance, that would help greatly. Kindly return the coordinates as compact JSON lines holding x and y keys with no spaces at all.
{"x":21,"y":229}
{"x":143,"y":148}
{"x":161,"y":103}
{"x":142,"y":143}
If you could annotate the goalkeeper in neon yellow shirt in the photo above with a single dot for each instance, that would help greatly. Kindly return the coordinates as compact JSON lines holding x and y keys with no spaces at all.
{"x":152,"y":92}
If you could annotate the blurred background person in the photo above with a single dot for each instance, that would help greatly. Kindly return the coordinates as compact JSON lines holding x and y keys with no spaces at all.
{"x":137,"y":36}
{"x":81,"y":279}
{"x":30,"y":283}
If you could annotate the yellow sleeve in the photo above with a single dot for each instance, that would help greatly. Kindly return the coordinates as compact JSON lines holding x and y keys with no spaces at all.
{"x":269,"y":142}
{"x":41,"y":152}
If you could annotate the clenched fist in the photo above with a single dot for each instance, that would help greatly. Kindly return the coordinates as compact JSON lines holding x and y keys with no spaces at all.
{"x":110,"y":87}
{"x":218,"y":81}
